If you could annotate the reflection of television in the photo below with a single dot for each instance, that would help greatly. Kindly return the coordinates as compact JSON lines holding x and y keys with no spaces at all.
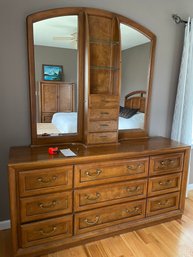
{"x":52,"y":72}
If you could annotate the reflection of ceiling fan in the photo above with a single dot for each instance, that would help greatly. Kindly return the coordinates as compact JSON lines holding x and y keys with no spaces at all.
{"x":72,"y":37}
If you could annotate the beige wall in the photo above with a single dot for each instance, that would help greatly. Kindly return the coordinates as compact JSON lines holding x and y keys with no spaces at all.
{"x":14,"y":99}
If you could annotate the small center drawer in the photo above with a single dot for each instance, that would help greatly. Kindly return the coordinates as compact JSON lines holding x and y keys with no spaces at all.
{"x":166,"y":163}
{"x":99,"y":126}
{"x":103,"y":114}
{"x":164,"y":184}
{"x":106,"y":195}
{"x":47,"y":231}
{"x":105,"y":137}
{"x":107,"y":101}
{"x":161,"y":204}
{"x":40,"y":181}
{"x":114,"y":171}
{"x":104,"y":217}
{"x":45,"y":206}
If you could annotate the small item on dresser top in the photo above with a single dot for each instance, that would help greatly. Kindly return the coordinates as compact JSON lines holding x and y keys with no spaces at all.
{"x":67,"y":152}
{"x":53,"y":150}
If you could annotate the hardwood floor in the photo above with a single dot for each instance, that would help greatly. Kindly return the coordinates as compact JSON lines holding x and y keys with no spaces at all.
{"x":170,"y":239}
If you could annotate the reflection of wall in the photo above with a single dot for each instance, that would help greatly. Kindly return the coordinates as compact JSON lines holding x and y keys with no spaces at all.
{"x":135,"y":65}
{"x":60,"y":56}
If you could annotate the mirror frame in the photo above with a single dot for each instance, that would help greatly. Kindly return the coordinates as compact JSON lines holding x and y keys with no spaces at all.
{"x":48,"y":140}
{"x":78,"y":138}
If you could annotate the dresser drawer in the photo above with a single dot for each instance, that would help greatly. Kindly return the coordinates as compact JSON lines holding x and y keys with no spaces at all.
{"x":40,"y":181}
{"x":45,"y":206}
{"x":166,"y":163}
{"x":107,"y":216}
{"x":106,"y":137}
{"x":161,"y":204}
{"x":100,"y":126}
{"x":103,"y":114}
{"x":164,"y":184}
{"x":106,"y":101}
{"x":41,"y":232}
{"x":85,"y":199}
{"x":114,"y":171}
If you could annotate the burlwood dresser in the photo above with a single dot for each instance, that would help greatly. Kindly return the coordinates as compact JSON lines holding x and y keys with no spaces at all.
{"x":58,"y":202}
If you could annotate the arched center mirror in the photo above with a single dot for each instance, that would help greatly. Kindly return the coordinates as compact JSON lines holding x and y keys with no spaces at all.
{"x":60,"y":50}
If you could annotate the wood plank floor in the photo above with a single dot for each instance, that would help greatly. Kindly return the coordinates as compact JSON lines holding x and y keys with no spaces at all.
{"x":170,"y":239}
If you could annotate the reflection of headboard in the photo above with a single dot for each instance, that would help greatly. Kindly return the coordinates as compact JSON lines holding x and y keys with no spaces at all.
{"x":136,"y":100}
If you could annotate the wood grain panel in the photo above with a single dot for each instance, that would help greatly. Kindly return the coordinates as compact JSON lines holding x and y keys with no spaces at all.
{"x":45,"y":206}
{"x":103,"y":217}
{"x":46,"y":231}
{"x":40,"y":181}
{"x":85,"y":199}
{"x":114,"y":171}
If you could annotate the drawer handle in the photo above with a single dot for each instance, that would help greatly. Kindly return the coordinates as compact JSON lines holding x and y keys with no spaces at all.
{"x":49,"y":205}
{"x":46,"y":180}
{"x":53,"y":229}
{"x":166,"y":162}
{"x":92,"y":222}
{"x":91,"y":198}
{"x":163,"y":203}
{"x":94,"y":174}
{"x":135,"y":167}
{"x":165,"y":183}
{"x":133,"y":189}
{"x":104,"y":113}
{"x":133,"y":211}
{"x":104,"y":125}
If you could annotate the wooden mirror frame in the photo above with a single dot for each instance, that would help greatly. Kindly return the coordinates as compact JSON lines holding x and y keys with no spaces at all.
{"x":78,"y":138}
{"x":52,"y":140}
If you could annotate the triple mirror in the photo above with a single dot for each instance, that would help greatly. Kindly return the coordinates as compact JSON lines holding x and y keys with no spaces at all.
{"x":56,"y":42}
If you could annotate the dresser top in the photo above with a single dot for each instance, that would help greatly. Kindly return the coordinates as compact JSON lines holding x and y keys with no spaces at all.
{"x":125,"y":149}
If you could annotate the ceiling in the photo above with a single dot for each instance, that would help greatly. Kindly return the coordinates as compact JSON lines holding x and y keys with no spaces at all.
{"x":62,"y":32}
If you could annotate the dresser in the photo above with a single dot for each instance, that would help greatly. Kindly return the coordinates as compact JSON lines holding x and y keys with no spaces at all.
{"x":55,"y":97}
{"x":59,"y":202}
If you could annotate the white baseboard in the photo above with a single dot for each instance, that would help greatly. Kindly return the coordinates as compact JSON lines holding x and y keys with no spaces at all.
{"x":5,"y":224}
{"x":190,"y":187}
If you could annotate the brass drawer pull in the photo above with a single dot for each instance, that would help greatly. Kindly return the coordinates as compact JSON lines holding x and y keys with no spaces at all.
{"x":163,"y":203}
{"x":92,"y":222}
{"x":94,"y":174}
{"x":133,"y":189}
{"x":91,"y":198}
{"x":104,"y":125}
{"x":135,"y":167}
{"x":167,"y":162}
{"x":46,"y":180}
{"x":165,"y":183}
{"x":49,"y":205}
{"x":53,"y":229}
{"x":104,"y":113}
{"x":133,"y":211}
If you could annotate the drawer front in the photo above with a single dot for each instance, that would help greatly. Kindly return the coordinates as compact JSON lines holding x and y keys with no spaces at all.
{"x":106,"y":137}
{"x":40,"y":181}
{"x":114,"y":171}
{"x":103,"y":114}
{"x":46,"y":206}
{"x":106,"y":101}
{"x":104,"y":217}
{"x":46,"y":231}
{"x":47,"y":117}
{"x":99,"y":126}
{"x":166,"y":163}
{"x":161,"y":204}
{"x":164,"y":184}
{"x":85,"y":199}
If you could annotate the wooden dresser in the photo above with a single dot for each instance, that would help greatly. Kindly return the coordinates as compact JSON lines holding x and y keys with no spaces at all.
{"x":55,"y":97}
{"x":58,"y":202}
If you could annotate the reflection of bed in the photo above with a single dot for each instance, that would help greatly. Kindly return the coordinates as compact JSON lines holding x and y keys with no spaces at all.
{"x":66,"y":122}
{"x":134,"y":100}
